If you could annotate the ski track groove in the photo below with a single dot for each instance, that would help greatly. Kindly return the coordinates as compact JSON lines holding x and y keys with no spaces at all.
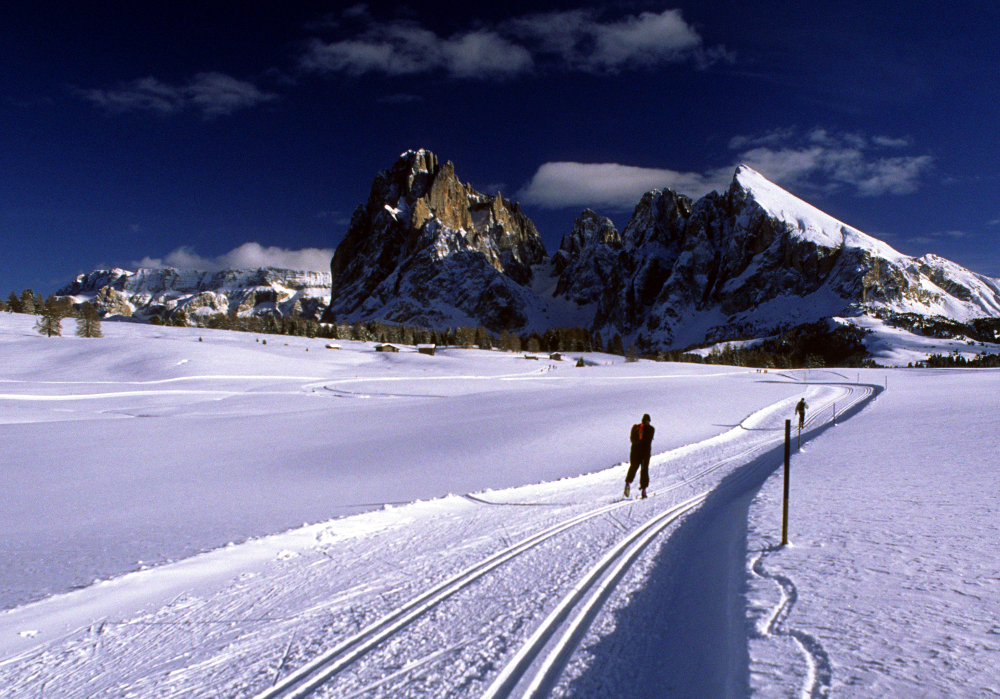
{"x":588,"y":596}
{"x":596,"y":588}
{"x":314,"y":674}
{"x":819,"y":676}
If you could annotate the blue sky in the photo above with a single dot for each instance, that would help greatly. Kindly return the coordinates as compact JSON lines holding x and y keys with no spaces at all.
{"x":245,"y":133}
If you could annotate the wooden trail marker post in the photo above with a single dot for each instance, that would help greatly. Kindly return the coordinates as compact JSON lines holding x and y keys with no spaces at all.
{"x":788,"y":455}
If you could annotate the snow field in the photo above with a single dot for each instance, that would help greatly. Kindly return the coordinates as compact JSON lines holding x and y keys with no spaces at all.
{"x":894,"y":522}
{"x":271,"y":436}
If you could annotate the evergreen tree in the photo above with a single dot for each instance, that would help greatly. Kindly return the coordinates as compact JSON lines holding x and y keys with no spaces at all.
{"x":13,"y":303}
{"x":598,"y":342}
{"x":483,"y":338}
{"x":28,"y":302}
{"x":616,"y":346}
{"x":50,"y":322}
{"x":88,"y":321}
{"x":179,"y":318}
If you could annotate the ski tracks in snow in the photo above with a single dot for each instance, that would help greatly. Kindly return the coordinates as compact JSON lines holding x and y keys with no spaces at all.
{"x":479,"y":627}
{"x":819,"y":671}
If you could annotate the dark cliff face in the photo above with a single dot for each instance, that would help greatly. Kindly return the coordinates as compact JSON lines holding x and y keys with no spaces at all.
{"x":724,"y":253}
{"x":413,"y":251}
{"x":586,"y":258}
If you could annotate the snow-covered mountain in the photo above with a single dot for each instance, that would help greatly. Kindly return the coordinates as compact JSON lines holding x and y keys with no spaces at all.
{"x":753,"y":260}
{"x":148,"y":292}
{"x":428,"y":250}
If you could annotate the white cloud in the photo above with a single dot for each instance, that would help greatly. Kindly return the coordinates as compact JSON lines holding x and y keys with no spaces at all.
{"x":819,"y":160}
{"x":828,"y":161}
{"x":578,"y":40}
{"x":610,"y":185}
{"x":403,"y":48}
{"x":246,"y":256}
{"x":146,"y":94}
{"x":213,"y":94}
{"x":218,"y":94}
{"x":572,"y":40}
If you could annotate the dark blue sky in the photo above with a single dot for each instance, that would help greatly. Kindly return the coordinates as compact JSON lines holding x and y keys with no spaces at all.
{"x":157,"y":133}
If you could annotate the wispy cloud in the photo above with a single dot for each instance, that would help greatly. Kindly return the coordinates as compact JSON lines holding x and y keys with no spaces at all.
{"x":246,"y":256}
{"x":404,"y":48}
{"x":828,"y":162}
{"x":818,"y":160}
{"x":575,"y":40}
{"x":612,"y":186}
{"x":936,"y":237}
{"x":212,"y":94}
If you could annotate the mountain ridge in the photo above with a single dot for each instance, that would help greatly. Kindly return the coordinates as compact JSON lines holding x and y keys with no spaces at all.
{"x":426,"y":249}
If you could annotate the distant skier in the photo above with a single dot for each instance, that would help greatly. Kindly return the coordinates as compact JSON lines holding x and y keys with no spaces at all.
{"x":800,"y":410}
{"x":642,"y":444}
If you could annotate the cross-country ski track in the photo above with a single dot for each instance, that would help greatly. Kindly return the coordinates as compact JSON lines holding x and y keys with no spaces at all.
{"x":541,"y":604}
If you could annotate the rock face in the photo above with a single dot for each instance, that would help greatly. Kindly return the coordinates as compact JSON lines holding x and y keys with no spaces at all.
{"x":585,"y":261}
{"x":429,"y":250}
{"x":748,"y":263}
{"x":148,"y":292}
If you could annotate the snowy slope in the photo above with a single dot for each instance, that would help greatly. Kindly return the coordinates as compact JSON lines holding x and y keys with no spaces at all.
{"x":808,"y":222}
{"x":156,"y":445}
{"x":146,"y":292}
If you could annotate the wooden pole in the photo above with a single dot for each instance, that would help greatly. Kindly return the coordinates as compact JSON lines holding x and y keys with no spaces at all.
{"x":788,"y":456}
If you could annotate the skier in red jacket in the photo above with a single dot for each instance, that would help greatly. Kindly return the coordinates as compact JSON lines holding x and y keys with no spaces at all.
{"x":642,"y":444}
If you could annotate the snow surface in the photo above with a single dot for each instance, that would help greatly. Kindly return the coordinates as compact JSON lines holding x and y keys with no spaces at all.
{"x":809,"y":222}
{"x":137,"y":458}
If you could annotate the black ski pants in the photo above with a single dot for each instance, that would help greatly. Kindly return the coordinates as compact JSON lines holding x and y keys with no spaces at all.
{"x":639,"y":462}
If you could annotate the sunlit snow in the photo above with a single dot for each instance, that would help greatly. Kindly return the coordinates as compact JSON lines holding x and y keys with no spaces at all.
{"x":195,"y":512}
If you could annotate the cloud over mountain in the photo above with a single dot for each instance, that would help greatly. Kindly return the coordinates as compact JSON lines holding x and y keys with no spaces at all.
{"x":610,"y":185}
{"x":827,"y":161}
{"x":818,"y":160}
{"x":246,"y":256}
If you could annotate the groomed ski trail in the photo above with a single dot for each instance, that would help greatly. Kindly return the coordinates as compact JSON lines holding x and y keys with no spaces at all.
{"x":570,"y":619}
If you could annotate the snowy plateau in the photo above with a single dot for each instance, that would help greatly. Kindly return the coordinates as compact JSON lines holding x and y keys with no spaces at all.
{"x":191,"y":512}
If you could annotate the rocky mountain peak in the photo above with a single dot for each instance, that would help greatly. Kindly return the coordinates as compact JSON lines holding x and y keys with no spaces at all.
{"x":420,"y":216}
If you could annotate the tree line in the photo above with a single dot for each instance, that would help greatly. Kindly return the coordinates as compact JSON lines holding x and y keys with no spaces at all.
{"x":52,"y":311}
{"x":552,"y":340}
{"x":807,"y":346}
{"x":955,"y":360}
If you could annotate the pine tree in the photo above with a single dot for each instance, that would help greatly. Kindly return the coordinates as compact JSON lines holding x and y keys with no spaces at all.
{"x":483,"y":338}
{"x":50,"y":322}
{"x":616,"y":346}
{"x":27,"y":302}
{"x":88,"y":321}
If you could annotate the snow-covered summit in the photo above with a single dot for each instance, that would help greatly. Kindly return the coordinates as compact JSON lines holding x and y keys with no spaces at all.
{"x":164,"y":291}
{"x":752,"y":261}
{"x":809,"y":222}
